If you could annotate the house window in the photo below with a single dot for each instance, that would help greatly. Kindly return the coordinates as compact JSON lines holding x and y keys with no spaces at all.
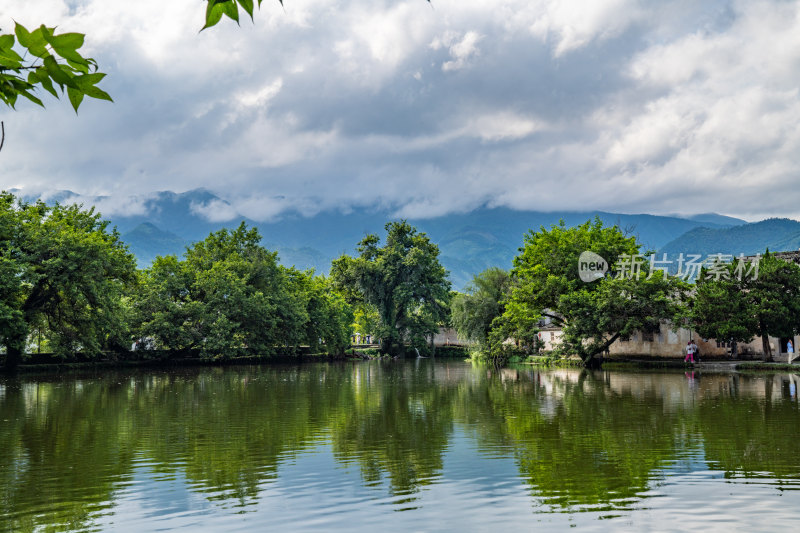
{"x":647,"y":336}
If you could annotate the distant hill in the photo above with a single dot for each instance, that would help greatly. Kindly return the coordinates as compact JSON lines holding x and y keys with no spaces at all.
{"x":717,"y":220}
{"x":147,"y":241}
{"x":777,"y":234}
{"x":166,"y":222}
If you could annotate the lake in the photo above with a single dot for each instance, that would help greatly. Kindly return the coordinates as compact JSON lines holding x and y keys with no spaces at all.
{"x":417,"y":445}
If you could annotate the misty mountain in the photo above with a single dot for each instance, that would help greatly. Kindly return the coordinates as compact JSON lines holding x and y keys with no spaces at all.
{"x":716,"y":220}
{"x":777,"y":234}
{"x":166,"y":222}
{"x":147,"y":241}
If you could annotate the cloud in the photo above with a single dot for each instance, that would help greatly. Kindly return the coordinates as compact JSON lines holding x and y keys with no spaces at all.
{"x":620,"y":105}
{"x":214,"y":210}
{"x":460,"y":51}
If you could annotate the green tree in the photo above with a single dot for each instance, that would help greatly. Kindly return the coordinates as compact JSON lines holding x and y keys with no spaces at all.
{"x":402,"y":279}
{"x":737,"y":305}
{"x":473,"y":312}
{"x":230,"y":295}
{"x":616,"y":309}
{"x":592,"y":315}
{"x":774,"y":297}
{"x":719,"y":308}
{"x":227,"y":295}
{"x":61,"y":269}
{"x":328,"y":325}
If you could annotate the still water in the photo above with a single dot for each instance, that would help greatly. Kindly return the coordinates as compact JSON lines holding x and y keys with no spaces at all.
{"x":419,"y":445}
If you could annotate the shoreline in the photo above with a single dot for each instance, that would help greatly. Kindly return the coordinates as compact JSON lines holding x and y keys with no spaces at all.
{"x":717,"y":365}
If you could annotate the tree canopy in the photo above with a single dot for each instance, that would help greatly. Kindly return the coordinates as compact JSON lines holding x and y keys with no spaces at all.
{"x":229,"y":295}
{"x":61,"y":269}
{"x":473,"y":311}
{"x":402,"y":279}
{"x":594,"y":314}
{"x":737,"y":307}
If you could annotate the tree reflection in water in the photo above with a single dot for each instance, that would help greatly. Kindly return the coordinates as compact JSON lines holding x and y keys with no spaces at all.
{"x":581,"y":440}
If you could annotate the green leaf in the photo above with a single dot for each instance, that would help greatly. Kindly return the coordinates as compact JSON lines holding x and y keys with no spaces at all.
{"x":95,"y":92}
{"x":40,"y":76}
{"x":33,"y":41}
{"x":65,"y":41}
{"x":247,"y":5}
{"x":88,"y":80}
{"x":214,"y":13}
{"x":75,"y":97}
{"x":31,"y":97}
{"x":9,"y":58}
{"x":80,"y":67}
{"x":58,"y":73}
{"x":6,"y":41}
{"x":23,"y":35}
{"x":232,"y":10}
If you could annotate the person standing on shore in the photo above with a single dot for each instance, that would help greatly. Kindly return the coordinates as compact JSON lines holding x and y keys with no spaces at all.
{"x":789,"y":351}
{"x":689,"y":352}
{"x":695,"y":353}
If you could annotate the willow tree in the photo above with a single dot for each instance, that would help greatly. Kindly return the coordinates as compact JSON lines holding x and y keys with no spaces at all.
{"x":402,"y":279}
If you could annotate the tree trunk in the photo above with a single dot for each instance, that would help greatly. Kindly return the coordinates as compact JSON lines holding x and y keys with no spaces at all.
{"x":591,"y":360}
{"x":13,"y":359}
{"x":734,"y":349}
{"x":767,"y":348}
{"x":433,"y":346}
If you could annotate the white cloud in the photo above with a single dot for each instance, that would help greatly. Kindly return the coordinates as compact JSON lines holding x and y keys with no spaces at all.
{"x":573,"y":24}
{"x":548,"y":104}
{"x":260,"y":97}
{"x":214,"y":210}
{"x":462,"y":51}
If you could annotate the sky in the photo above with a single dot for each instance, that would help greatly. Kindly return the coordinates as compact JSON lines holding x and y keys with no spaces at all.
{"x":425,"y":109}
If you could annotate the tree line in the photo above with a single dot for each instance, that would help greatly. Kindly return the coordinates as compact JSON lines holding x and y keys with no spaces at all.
{"x":69,"y":285}
{"x":502,"y":311}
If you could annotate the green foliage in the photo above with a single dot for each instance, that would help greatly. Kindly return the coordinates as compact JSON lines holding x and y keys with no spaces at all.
{"x":62,"y":273}
{"x":215,"y":9}
{"x":592,"y":315}
{"x":547,"y":267}
{"x":472,"y":312}
{"x":452,"y":351}
{"x":402,"y":279}
{"x":52,"y":62}
{"x":616,"y":309}
{"x":229,"y":295}
{"x":737,"y":306}
{"x":720,"y":310}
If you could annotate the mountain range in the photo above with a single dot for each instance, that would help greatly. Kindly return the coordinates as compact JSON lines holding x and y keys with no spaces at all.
{"x":166,"y":222}
{"x":775,"y":234}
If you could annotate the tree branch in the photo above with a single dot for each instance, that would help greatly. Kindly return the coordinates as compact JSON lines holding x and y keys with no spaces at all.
{"x":17,"y":69}
{"x":2,"y":134}
{"x":558,"y":319}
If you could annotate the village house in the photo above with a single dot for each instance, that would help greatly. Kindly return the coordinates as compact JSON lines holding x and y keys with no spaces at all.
{"x":444,"y":337}
{"x":669,"y":343}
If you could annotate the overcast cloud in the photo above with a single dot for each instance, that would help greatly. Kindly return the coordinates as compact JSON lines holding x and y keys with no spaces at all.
{"x":618,"y":105}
